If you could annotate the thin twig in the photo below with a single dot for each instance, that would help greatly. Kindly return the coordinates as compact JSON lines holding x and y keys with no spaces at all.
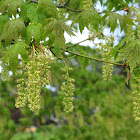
{"x":62,"y":6}
{"x":99,"y":60}
{"x":67,"y":3}
{"x":88,"y":57}
{"x":77,"y":43}
{"x":72,"y":10}
{"x":89,"y":38}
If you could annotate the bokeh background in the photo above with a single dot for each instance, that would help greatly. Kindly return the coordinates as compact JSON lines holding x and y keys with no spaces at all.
{"x":103,"y":110}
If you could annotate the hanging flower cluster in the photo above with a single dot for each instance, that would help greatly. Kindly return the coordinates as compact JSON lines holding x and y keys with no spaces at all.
{"x":136,"y":98}
{"x":67,"y":89}
{"x":107,"y":69}
{"x":37,"y":74}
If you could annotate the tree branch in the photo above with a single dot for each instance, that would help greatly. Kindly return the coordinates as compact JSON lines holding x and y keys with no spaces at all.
{"x":77,"y":43}
{"x":72,"y":10}
{"x":62,"y":6}
{"x":34,"y":1}
{"x":78,"y":11}
{"x":89,"y":38}
{"x":88,"y":57}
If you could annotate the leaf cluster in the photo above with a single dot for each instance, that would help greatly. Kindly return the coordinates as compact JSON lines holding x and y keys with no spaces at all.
{"x":88,"y":17}
{"x":11,"y":55}
{"x":129,"y":52}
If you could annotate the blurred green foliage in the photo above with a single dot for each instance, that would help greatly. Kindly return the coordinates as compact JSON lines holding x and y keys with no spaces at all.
{"x":103,"y":110}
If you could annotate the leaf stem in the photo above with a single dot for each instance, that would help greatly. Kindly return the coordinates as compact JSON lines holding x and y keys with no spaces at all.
{"x":77,"y":43}
{"x":67,"y":3}
{"x":41,"y":48}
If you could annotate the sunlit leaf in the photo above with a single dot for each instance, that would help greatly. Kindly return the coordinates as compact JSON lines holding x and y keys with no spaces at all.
{"x":12,"y":55}
{"x":33,"y":31}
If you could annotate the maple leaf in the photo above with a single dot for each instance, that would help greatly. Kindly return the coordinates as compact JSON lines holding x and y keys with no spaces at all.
{"x":33,"y":30}
{"x":48,"y":8}
{"x":131,"y":52}
{"x":11,"y":6}
{"x":52,"y":25}
{"x":32,"y":12}
{"x":12,"y":55}
{"x":123,"y":20}
{"x":12,"y":30}
{"x":88,"y":17}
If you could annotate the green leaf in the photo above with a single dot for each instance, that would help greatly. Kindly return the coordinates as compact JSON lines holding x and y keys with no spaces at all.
{"x":35,"y":31}
{"x":121,"y":20}
{"x":113,"y":22}
{"x":51,"y":25}
{"x":12,"y":5}
{"x":59,"y":36}
{"x":12,"y":55}
{"x":3,"y":6}
{"x":57,"y":49}
{"x":119,"y":4}
{"x":32,"y":12}
{"x":113,"y":17}
{"x":51,"y":39}
{"x":137,"y":71}
{"x":128,"y":20}
{"x":88,"y":17}
{"x":105,"y":16}
{"x":48,"y":8}
{"x":120,"y":45}
{"x":3,"y":19}
{"x":131,"y":52}
{"x":83,"y":61}
{"x":13,"y":62}
{"x":101,"y":1}
{"x":93,"y":65}
{"x":136,"y":1}
{"x":12,"y":30}
{"x":67,"y":29}
{"x":48,"y":25}
{"x":22,"y":135}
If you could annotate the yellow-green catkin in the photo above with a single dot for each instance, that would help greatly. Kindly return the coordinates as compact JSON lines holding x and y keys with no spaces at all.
{"x":136,"y":97}
{"x":37,"y":74}
{"x":22,"y":95}
{"x":21,"y":99}
{"x":33,"y":84}
{"x":87,"y":4}
{"x":107,"y":68}
{"x":67,"y":89}
{"x":130,"y":32}
{"x":44,"y":61}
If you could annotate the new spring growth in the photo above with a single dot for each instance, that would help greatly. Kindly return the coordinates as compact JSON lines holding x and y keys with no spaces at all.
{"x":107,"y":69}
{"x":37,"y":74}
{"x":67,"y":89}
{"x":136,"y":98}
